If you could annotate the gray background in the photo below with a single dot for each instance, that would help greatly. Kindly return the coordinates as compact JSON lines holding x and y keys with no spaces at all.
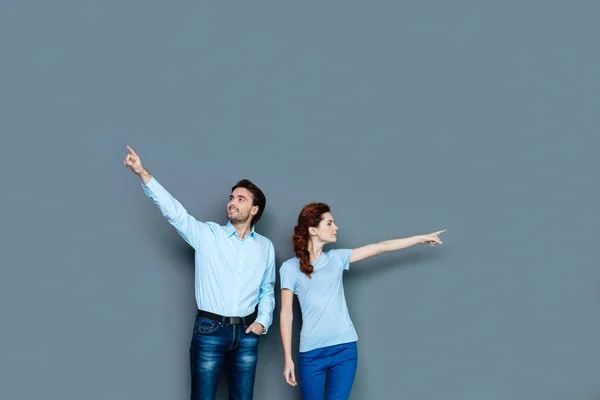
{"x":481,"y":118}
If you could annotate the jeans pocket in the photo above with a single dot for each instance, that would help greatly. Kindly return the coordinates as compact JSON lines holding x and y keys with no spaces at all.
{"x":256,"y":335}
{"x":205,"y":326}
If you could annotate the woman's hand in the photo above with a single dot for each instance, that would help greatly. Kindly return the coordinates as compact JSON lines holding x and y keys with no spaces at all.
{"x":432,"y":238}
{"x":288,"y":373}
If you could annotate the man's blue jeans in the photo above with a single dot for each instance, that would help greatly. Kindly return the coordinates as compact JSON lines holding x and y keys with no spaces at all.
{"x":336,"y":363}
{"x":215,"y":345}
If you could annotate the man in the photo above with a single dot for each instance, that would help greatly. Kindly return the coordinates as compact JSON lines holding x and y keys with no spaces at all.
{"x":234,"y":272}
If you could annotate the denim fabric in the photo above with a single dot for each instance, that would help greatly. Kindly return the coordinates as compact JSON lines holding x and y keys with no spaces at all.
{"x":336,"y":363}
{"x":215,"y":346}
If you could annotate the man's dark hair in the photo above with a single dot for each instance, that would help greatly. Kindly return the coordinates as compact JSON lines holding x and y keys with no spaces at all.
{"x":258,"y":197}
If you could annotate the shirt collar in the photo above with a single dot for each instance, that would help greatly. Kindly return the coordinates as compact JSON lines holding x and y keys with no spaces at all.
{"x":231,"y":230}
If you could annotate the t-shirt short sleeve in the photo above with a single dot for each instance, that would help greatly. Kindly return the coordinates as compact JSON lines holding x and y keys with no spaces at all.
{"x":343,"y":257}
{"x":287,"y":276}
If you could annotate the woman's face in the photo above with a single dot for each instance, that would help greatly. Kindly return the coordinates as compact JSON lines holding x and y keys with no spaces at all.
{"x":326,"y":231}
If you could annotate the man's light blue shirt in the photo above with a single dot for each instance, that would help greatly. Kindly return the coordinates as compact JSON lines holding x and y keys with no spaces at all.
{"x":232,"y":275}
{"x":325,"y":318}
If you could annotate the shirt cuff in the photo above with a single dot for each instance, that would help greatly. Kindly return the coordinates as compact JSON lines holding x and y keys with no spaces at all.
{"x":263,"y":320}
{"x":151,"y":183}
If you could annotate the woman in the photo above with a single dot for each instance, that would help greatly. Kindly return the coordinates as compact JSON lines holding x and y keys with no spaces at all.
{"x":328,"y":339}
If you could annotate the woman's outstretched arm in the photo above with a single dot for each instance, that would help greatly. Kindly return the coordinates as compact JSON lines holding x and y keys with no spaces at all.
{"x":371,"y":250}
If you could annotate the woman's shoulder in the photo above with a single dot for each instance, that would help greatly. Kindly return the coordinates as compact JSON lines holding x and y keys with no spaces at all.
{"x":290,"y":264}
{"x":340,"y":255}
{"x":337,"y":252}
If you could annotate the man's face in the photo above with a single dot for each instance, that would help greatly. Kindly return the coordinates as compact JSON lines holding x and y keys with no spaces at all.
{"x":239,"y":207}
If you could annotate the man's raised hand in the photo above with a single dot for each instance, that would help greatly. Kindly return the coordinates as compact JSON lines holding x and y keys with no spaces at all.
{"x":132,"y":160}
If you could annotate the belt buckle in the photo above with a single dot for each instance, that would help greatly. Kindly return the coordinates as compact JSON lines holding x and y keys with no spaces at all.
{"x":234,"y":320}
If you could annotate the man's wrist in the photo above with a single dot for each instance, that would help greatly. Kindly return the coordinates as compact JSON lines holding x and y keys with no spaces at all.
{"x":145,"y":176}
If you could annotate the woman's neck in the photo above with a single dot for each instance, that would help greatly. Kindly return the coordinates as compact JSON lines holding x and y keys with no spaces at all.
{"x":315,"y":249}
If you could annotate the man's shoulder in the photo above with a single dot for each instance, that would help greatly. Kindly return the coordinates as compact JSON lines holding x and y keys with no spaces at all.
{"x":263,"y":239}
{"x":214,"y":226}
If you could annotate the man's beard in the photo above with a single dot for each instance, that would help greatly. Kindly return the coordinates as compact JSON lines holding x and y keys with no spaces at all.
{"x":239,"y":217}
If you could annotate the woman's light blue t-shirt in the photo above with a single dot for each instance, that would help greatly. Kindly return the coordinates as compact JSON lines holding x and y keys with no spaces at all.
{"x":325,"y":318}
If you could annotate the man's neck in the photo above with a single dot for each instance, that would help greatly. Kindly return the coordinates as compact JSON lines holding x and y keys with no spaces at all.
{"x":242,"y":228}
